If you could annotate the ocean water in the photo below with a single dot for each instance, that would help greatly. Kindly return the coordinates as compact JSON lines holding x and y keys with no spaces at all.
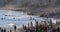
{"x":9,"y":18}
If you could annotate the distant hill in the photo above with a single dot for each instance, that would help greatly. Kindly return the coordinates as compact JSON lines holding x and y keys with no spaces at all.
{"x":4,"y":2}
{"x":29,"y":3}
{"x":34,"y":7}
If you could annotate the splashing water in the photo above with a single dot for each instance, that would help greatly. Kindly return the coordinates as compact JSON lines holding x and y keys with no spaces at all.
{"x":9,"y":18}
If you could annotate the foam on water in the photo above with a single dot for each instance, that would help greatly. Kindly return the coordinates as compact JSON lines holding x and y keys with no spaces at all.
{"x":8,"y":17}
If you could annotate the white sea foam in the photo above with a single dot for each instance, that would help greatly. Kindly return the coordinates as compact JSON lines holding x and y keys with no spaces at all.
{"x":10,"y":18}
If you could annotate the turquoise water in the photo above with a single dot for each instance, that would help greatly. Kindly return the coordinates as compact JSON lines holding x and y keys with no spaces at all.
{"x":9,"y":18}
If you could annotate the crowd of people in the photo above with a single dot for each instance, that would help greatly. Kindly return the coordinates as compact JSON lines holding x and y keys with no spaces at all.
{"x":37,"y":27}
{"x":5,"y":30}
{"x":41,"y":27}
{"x":2,"y":30}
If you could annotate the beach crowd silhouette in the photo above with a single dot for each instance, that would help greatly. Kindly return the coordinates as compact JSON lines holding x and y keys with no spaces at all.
{"x":38,"y":27}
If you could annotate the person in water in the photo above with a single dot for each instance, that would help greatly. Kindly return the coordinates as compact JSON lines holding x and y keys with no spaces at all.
{"x":36,"y":25}
{"x":4,"y":30}
{"x":10,"y":30}
{"x":58,"y":29}
{"x":15,"y":27}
